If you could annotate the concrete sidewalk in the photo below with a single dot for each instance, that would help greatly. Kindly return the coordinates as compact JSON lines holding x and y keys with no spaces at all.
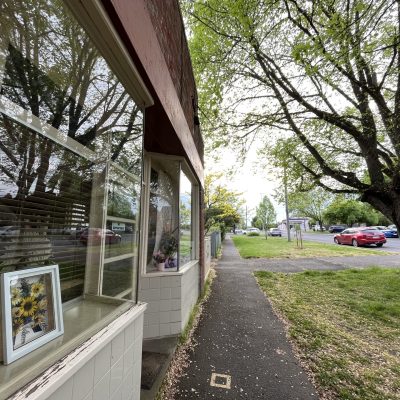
{"x":240,"y":337}
{"x":242,"y":341}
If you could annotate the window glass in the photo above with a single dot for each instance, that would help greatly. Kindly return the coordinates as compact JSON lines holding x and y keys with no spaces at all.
{"x":44,"y":204}
{"x":118,"y":278}
{"x":70,"y":151}
{"x":51,"y":69}
{"x":185,"y":215}
{"x":163,"y":228}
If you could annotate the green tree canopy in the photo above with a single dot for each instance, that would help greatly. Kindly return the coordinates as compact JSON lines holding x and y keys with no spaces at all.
{"x":350,"y":212}
{"x":221,"y":204}
{"x":323,"y":75}
{"x":265,"y":214}
{"x":312,"y":203}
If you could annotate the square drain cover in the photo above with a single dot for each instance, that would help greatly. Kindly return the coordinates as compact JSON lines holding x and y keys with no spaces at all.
{"x":220,"y":380}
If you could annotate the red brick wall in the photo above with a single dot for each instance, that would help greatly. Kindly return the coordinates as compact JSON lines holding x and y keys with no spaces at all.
{"x":167,"y":22}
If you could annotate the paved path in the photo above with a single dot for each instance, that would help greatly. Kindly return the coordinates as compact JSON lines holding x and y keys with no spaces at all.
{"x":240,"y":336}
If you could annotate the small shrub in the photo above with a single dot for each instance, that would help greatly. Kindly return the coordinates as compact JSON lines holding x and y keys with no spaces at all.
{"x":253,"y":234}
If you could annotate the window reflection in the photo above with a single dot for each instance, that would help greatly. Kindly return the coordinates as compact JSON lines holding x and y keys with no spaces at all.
{"x":52,"y":70}
{"x":118,"y":278}
{"x":44,"y":203}
{"x":185,"y":215}
{"x":58,"y":168}
{"x":163,"y":216}
{"x":170,"y":239}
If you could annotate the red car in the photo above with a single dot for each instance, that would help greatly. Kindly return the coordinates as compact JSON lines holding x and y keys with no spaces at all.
{"x":360,"y":237}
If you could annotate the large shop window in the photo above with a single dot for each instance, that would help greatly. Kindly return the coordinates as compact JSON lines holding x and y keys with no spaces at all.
{"x":70,"y":158}
{"x":170,"y":242}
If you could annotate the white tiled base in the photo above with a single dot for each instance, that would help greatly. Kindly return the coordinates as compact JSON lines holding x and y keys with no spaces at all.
{"x":170,"y":297}
{"x":109,"y":368}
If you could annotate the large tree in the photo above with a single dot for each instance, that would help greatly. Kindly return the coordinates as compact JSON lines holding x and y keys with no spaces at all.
{"x":265,"y":214}
{"x":350,"y":212}
{"x":323,"y":74}
{"x":222,"y":206}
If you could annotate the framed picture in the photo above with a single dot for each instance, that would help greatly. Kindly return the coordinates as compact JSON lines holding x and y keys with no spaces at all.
{"x":31,"y":310}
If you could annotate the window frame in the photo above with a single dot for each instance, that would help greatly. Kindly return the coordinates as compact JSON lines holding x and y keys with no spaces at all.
{"x":145,"y":202}
{"x":93,"y":18}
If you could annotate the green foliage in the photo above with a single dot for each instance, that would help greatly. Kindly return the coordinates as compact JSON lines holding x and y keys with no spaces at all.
{"x":253,"y":234}
{"x":221,"y":205}
{"x":349,"y":212}
{"x":311,"y":203}
{"x":265,"y":214}
{"x":317,"y":83}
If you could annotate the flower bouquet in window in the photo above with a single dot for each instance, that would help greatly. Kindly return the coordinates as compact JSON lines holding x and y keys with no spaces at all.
{"x":159,"y":257}
{"x":29,"y":310}
{"x":169,"y":247}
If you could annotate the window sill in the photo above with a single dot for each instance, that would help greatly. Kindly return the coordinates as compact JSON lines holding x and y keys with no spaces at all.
{"x":181,"y":271}
{"x":82,"y":320}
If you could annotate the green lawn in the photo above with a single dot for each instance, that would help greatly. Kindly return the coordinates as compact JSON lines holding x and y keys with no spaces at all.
{"x":345,"y":326}
{"x":276,"y":247}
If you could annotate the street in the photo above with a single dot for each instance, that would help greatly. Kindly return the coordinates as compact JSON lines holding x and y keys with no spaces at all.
{"x":392,"y":244}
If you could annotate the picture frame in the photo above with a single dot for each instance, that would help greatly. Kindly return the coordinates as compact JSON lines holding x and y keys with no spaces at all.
{"x":31,"y":310}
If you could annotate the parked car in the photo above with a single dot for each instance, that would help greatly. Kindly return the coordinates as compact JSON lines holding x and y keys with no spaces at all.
{"x":274,"y":232}
{"x":388,"y":232}
{"x":255,"y":230}
{"x":252,"y":232}
{"x":336,"y":228}
{"x":360,"y":237}
{"x":239,"y":232}
{"x":95,"y":234}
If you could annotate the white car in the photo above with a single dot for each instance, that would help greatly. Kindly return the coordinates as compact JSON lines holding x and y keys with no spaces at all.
{"x":239,"y":232}
{"x":253,"y":230}
{"x":274,"y":232}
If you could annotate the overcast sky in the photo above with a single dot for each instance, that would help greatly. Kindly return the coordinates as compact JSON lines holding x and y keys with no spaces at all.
{"x":247,"y":178}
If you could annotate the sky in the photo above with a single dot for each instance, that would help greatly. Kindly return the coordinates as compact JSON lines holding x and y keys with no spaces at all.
{"x":248,"y":178}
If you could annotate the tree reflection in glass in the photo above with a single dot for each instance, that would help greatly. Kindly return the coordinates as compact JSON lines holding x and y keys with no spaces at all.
{"x":163,"y":231}
{"x":50,"y":68}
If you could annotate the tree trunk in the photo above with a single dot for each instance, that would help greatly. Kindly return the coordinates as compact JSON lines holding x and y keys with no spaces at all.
{"x":388,"y":203}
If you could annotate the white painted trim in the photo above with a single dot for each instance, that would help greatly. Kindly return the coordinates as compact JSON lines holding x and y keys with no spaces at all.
{"x":125,"y":172}
{"x":26,"y":118}
{"x":118,"y":258}
{"x":118,"y":219}
{"x":181,"y":271}
{"x":144,"y":214}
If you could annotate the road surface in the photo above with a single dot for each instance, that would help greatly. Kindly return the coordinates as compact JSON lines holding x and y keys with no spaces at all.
{"x":392,"y":244}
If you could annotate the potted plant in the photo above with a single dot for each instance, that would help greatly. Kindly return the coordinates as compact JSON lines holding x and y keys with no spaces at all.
{"x":169,"y":247}
{"x":159,"y":258}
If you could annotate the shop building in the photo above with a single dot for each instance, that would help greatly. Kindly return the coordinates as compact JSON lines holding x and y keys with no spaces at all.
{"x":101,"y":174}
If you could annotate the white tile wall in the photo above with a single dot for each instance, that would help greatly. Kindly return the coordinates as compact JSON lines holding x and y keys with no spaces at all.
{"x":65,"y":391}
{"x":112,"y":373}
{"x":170,"y":300}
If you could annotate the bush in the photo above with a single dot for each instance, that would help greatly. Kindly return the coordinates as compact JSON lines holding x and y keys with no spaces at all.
{"x":253,"y":234}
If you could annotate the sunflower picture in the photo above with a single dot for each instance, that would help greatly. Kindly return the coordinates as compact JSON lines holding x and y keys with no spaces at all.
{"x":31,"y":315}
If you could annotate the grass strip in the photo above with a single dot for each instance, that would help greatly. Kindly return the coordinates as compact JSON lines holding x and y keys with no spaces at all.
{"x":345,"y":327}
{"x":276,"y":247}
